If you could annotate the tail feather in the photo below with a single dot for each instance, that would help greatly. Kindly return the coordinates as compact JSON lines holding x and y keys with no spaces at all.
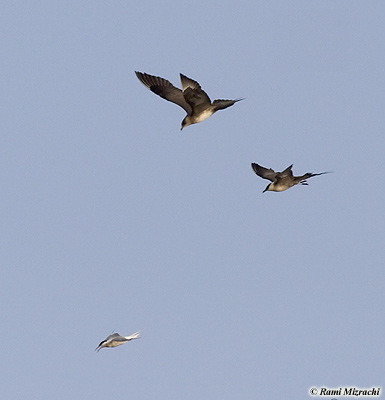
{"x":310,"y":175}
{"x":135,"y":335}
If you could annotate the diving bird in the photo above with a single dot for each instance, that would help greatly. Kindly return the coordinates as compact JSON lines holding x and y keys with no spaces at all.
{"x":281,"y":180}
{"x":191,"y":98}
{"x":116,"y":340}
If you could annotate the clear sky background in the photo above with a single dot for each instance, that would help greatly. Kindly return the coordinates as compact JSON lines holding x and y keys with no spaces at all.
{"x":113,"y":219}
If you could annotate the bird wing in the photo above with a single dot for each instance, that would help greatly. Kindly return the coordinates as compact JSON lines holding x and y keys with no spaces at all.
{"x":119,"y":338}
{"x":113,"y":336}
{"x":193,"y":93}
{"x":163,"y":88}
{"x":286,"y":172}
{"x":264,"y":172}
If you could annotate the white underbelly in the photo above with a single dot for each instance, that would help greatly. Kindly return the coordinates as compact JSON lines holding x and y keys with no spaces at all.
{"x":279,"y":187}
{"x":204,"y":115}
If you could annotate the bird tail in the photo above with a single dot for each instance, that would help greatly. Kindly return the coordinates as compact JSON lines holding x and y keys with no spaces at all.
{"x":135,"y":335}
{"x":310,"y":175}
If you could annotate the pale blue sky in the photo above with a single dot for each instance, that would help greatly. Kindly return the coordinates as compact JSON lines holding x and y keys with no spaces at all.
{"x":113,"y":219}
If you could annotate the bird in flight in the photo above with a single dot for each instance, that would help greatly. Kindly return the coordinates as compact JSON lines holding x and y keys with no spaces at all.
{"x":191,"y":98}
{"x":116,"y":340}
{"x":281,"y":180}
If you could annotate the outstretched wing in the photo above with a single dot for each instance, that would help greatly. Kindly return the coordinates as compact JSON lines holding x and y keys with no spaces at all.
{"x":163,"y":88}
{"x":112,"y":336}
{"x":193,"y":93}
{"x":264,"y":172}
{"x":286,"y":172}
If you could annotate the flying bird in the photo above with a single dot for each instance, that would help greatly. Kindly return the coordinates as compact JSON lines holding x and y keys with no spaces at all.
{"x":116,"y":340}
{"x":191,"y":98}
{"x":281,"y":180}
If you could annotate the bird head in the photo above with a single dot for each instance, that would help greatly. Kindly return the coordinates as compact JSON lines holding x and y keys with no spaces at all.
{"x":186,"y":122}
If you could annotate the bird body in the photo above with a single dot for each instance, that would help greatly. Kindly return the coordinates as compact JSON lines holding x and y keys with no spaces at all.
{"x":191,"y":98}
{"x":115,"y":339}
{"x":281,"y":180}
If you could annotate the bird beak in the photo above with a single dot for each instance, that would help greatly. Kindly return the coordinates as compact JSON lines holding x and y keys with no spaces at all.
{"x":266,"y":188}
{"x":99,"y":347}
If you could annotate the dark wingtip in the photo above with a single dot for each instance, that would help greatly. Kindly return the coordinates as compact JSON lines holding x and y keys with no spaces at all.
{"x":140,"y":75}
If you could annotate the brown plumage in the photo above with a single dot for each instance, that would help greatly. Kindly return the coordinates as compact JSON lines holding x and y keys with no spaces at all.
{"x":191,"y":98}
